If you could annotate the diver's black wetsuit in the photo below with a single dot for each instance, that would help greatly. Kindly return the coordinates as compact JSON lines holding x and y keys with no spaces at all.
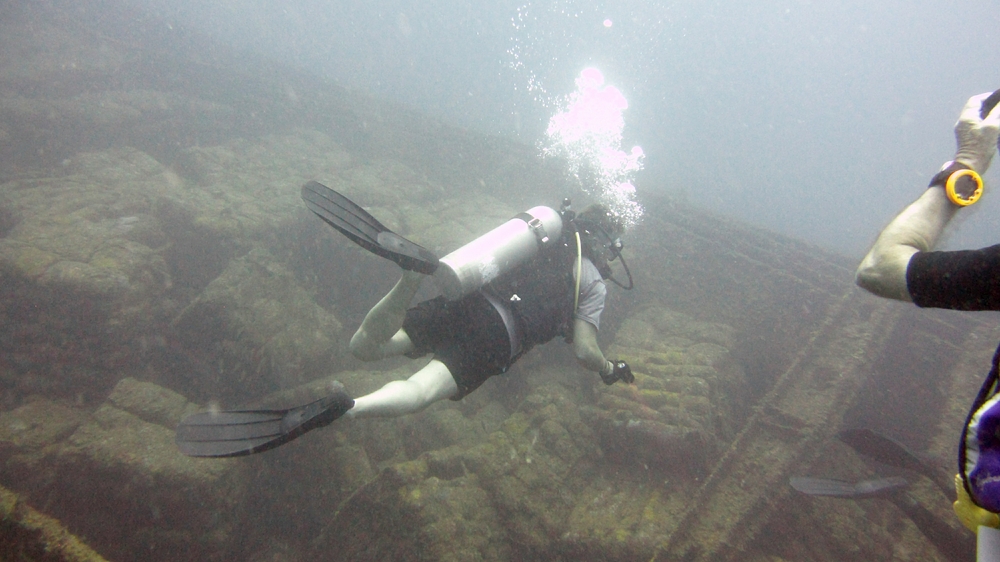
{"x":958,"y":280}
{"x":469,"y":335}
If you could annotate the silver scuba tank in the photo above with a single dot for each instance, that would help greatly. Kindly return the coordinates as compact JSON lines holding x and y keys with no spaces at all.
{"x":499,"y":250}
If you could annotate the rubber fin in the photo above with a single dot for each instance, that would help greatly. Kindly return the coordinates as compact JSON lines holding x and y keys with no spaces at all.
{"x":880,"y":448}
{"x":365,"y":230}
{"x":954,"y":542}
{"x":853,"y":490}
{"x":242,"y":432}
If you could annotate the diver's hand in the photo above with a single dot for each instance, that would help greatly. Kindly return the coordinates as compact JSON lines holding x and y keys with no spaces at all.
{"x":970,"y":514}
{"x":619,"y":371}
{"x":977,"y":136}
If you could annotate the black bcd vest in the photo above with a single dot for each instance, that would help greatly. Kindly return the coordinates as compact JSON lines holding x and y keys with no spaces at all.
{"x":540,"y":293}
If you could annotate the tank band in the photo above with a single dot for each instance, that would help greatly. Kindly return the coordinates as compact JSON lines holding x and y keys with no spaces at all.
{"x":536,"y":226}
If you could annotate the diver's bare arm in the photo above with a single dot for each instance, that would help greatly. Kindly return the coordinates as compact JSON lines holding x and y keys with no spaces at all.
{"x":588,"y":353}
{"x":917,"y":228}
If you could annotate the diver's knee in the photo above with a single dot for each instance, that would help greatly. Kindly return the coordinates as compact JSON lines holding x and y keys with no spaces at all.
{"x":361,"y":347}
{"x":405,"y":391}
{"x":400,"y":387}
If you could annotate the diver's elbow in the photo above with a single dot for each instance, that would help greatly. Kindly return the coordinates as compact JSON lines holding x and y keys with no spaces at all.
{"x":866,"y":278}
{"x":872,"y":280}
{"x":872,"y":273}
{"x":882,"y":282}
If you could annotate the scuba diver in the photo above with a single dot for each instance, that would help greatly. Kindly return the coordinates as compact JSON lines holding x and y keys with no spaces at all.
{"x":537,"y":276}
{"x":901,"y":265}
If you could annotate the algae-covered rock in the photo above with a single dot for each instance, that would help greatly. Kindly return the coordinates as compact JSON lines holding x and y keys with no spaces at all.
{"x":688,"y":398}
{"x":29,"y":435}
{"x":248,"y":189}
{"x":623,"y":516}
{"x":116,"y":243}
{"x":353,"y":467}
{"x":259,"y":330}
{"x":81,"y":260}
{"x":151,"y":403}
{"x":114,"y":441}
{"x":118,"y":467}
{"x":482,"y":498}
{"x":574,"y":471}
{"x":100,"y":214}
{"x":116,"y":475}
{"x":38,"y":424}
{"x":28,"y":534}
{"x":408,"y":515}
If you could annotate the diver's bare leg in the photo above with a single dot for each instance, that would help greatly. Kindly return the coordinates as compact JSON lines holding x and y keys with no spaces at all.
{"x":380,"y":335}
{"x":428,"y":385}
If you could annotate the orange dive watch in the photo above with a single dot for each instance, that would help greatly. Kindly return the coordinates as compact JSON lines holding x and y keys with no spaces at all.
{"x":962,"y":184}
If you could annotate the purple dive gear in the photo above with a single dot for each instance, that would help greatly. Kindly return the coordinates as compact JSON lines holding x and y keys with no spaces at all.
{"x":979,"y":449}
{"x":981,"y":470}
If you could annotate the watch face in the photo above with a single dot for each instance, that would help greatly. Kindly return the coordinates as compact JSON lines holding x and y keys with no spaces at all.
{"x":965,"y":186}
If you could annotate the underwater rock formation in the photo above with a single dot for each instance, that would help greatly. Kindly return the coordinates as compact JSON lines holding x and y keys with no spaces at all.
{"x":689,"y":396}
{"x":259,"y":330}
{"x":28,"y":535}
{"x":154,"y":252}
{"x":574,"y":470}
{"x":119,"y":463}
{"x":89,"y":247}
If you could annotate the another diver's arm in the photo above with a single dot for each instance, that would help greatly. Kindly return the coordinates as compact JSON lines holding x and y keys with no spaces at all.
{"x":919,"y":226}
{"x":588,"y":353}
{"x":916,"y":229}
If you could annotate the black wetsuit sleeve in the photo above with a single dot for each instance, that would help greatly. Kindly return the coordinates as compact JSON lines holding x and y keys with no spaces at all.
{"x":961,"y":280}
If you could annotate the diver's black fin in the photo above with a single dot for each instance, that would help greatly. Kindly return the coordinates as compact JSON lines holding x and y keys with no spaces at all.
{"x":365,"y":230}
{"x":842,"y":489}
{"x":881,"y":448}
{"x":954,"y":542}
{"x":885,"y":450}
{"x":242,"y":432}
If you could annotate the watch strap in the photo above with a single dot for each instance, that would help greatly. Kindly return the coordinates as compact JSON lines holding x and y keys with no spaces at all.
{"x":949,"y":168}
